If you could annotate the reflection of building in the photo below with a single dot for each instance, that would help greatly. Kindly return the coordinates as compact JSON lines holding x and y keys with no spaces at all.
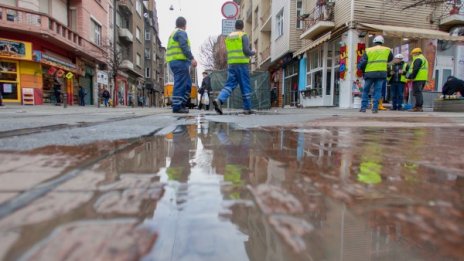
{"x":310,"y":48}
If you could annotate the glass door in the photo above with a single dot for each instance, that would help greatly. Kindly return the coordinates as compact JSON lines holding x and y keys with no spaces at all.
{"x":9,"y":81}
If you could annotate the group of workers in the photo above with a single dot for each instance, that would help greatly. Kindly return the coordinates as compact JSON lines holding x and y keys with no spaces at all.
{"x":179,"y":57}
{"x":379,"y":66}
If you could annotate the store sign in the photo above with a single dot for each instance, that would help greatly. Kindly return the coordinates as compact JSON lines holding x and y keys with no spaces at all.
{"x":13,"y":49}
{"x":102,"y":77}
{"x":54,"y":60}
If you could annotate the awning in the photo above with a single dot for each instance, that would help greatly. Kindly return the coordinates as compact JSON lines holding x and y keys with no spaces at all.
{"x":410,"y":32}
{"x":313,"y":44}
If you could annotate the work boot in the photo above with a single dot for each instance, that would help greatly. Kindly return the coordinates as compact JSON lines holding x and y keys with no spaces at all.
{"x":381,"y":105}
{"x":362,"y":110}
{"x":217,"y":106}
{"x":417,"y":109}
{"x":375,"y":110}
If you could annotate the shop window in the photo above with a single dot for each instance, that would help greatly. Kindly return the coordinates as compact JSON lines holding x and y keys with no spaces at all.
{"x":9,"y":80}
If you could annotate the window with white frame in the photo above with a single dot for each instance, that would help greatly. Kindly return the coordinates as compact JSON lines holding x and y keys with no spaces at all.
{"x":147,"y":35}
{"x":280,"y":23}
{"x":95,"y":32}
{"x":147,"y":72}
{"x":138,"y":7}
{"x":314,"y":70}
{"x":137,"y":33}
{"x":138,"y":60}
{"x":147,"y":53}
{"x":299,"y":12}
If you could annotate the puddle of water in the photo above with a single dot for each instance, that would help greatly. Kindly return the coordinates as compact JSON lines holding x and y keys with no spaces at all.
{"x":209,"y":192}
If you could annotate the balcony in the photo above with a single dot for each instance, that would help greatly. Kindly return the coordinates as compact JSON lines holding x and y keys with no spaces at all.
{"x":318,"y":21}
{"x":41,"y":25}
{"x":125,"y":35}
{"x":127,"y":65}
{"x":266,"y":20}
{"x":452,"y":15}
{"x":125,"y":6}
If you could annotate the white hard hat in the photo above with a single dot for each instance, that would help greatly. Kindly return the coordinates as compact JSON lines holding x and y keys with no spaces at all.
{"x":379,"y":39}
{"x":399,"y":56}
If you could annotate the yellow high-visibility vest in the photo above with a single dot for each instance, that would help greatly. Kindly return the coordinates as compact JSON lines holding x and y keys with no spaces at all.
{"x":234,"y":48}
{"x":377,"y":58}
{"x":174,"y":52}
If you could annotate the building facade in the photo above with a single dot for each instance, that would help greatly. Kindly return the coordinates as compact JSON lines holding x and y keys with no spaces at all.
{"x":314,"y":46}
{"x":93,"y":44}
{"x":41,"y":41}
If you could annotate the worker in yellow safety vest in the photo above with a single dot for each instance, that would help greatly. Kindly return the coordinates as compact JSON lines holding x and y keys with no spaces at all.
{"x":238,"y":61}
{"x":419,"y":74}
{"x":179,"y":57}
{"x":397,"y":77}
{"x":374,"y":65}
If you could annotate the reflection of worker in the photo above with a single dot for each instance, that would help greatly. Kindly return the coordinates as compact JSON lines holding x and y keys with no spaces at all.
{"x":179,"y":169}
{"x":418,"y":72}
{"x":238,"y":59}
{"x":374,"y":66}
{"x":179,"y":57}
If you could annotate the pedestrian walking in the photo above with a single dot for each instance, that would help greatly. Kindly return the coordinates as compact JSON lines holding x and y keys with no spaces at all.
{"x":374,"y":64}
{"x":105,"y":96}
{"x":238,"y":60}
{"x":179,"y":57}
{"x":57,"y":91}
{"x":397,"y":72}
{"x":205,"y":91}
{"x":82,"y":93}
{"x":418,"y":73}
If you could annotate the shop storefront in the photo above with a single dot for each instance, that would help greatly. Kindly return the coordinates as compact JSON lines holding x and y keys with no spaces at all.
{"x":57,"y":68}
{"x":319,"y":73}
{"x":18,"y":71}
{"x":328,"y":74}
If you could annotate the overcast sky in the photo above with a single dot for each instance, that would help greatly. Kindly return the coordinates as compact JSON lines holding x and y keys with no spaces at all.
{"x":204,"y":19}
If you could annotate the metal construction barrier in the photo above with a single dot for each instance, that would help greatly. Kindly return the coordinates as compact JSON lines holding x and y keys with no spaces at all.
{"x":261,"y":95}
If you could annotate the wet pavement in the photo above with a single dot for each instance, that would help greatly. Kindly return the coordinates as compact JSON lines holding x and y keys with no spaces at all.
{"x":358,"y":188}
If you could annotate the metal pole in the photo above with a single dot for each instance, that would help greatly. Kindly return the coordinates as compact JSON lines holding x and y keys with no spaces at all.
{"x":115,"y":65}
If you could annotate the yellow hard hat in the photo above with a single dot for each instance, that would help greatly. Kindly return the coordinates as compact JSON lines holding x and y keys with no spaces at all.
{"x":416,"y":50}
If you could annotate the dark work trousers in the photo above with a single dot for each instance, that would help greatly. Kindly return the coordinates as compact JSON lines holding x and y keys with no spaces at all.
{"x":396,"y":92}
{"x":417,"y":87}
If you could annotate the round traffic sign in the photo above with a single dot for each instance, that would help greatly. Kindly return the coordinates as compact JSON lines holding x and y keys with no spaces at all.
{"x":230,"y":10}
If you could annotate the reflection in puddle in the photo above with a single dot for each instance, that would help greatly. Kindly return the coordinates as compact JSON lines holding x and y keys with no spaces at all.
{"x":215,"y":193}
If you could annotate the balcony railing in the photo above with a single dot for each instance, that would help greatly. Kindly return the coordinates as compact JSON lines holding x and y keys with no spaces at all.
{"x":452,"y":14}
{"x":320,"y":19}
{"x":23,"y":20}
{"x":324,"y":12}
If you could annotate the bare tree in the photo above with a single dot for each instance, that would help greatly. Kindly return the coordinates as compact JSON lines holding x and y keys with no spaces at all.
{"x":213,"y":53}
